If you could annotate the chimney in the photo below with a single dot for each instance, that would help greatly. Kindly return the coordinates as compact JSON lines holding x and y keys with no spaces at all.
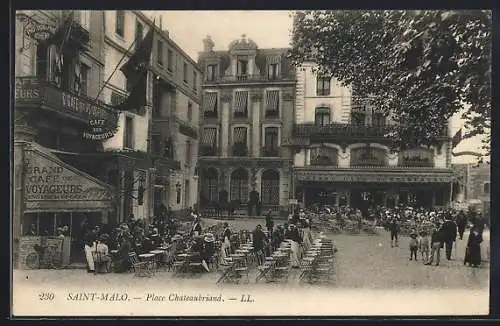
{"x":208,"y":44}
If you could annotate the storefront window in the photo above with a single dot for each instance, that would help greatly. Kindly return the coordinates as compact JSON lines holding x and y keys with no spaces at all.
{"x":46,"y":224}
{"x":29,"y":224}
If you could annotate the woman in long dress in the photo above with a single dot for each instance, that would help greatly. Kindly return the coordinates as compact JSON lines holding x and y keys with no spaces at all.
{"x":473,"y":250}
{"x":226,"y":241}
{"x":294,"y":237}
{"x":89,"y":247}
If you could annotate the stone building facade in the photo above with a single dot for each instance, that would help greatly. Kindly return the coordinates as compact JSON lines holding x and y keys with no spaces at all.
{"x":248,"y":100}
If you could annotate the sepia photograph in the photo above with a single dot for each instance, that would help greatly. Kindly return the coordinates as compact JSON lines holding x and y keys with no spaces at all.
{"x":200,"y":163}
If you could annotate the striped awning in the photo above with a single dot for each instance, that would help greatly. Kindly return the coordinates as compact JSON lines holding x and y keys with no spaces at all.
{"x":240,"y":135}
{"x":273,"y":59}
{"x":209,"y":136}
{"x":240,"y":102}
{"x":272,"y":100}
{"x":210,"y":100}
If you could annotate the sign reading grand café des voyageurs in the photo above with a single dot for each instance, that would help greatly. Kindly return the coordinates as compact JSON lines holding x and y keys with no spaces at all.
{"x":51,"y":185}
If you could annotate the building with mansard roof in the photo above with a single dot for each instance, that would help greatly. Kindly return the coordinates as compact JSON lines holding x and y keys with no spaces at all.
{"x":341,"y":156}
{"x":248,"y":100}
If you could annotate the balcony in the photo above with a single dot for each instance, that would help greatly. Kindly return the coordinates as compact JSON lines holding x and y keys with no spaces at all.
{"x":210,"y":115}
{"x":240,"y":115}
{"x":247,"y":79}
{"x":207,"y":150}
{"x":239,"y":150}
{"x":369,"y":162}
{"x":37,"y":93}
{"x":420,"y":163}
{"x":270,"y":152}
{"x":272,"y":114}
{"x":186,"y":128}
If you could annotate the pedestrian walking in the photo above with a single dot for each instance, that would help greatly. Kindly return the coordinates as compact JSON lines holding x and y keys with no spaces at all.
{"x":449,"y":234}
{"x":269,"y":222}
{"x":473,"y":249}
{"x":413,"y":245}
{"x":436,"y":243}
{"x":394,"y":228}
{"x":461,"y":224}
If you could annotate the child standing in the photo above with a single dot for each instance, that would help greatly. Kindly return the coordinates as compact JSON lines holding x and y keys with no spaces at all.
{"x":413,"y":245}
{"x":424,"y":246}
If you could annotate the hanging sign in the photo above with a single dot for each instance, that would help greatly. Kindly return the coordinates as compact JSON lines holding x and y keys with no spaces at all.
{"x":99,"y":129}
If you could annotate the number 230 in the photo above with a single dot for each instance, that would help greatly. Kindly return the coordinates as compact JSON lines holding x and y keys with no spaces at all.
{"x":44,"y":296}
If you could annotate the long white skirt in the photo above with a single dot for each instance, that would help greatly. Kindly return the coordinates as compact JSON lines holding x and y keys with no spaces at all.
{"x":226,"y":246}
{"x":295,"y":253}
{"x":88,"y":256}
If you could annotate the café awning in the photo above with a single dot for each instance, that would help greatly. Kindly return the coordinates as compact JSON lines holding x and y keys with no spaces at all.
{"x":50,"y":185}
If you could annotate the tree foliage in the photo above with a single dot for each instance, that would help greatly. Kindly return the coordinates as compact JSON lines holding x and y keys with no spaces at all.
{"x":419,"y":67}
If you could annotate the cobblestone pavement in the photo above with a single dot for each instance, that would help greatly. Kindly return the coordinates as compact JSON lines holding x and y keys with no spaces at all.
{"x":363,"y":261}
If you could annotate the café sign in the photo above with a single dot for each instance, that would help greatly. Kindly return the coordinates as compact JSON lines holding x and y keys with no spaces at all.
{"x":48,"y":181}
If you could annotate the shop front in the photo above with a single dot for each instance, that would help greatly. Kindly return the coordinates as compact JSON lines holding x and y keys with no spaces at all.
{"x":364,"y":189}
{"x":58,"y":202}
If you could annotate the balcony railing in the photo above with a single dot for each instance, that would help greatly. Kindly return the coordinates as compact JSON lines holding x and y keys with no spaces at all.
{"x":207,"y":150}
{"x":344,"y":130}
{"x":34,"y":91}
{"x":423,"y":163}
{"x":272,"y":114}
{"x":246,"y":78}
{"x":270,"y":152}
{"x":240,"y":114}
{"x":240,"y":150}
{"x":368,"y":162}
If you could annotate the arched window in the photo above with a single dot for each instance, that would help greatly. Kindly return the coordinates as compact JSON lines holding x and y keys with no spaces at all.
{"x":239,"y":185}
{"x":270,"y":187}
{"x":210,"y":185}
{"x":322,"y":116}
{"x":368,"y":156}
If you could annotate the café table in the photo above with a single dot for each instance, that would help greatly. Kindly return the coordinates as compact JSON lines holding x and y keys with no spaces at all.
{"x":158,"y":255}
{"x":149,"y":258}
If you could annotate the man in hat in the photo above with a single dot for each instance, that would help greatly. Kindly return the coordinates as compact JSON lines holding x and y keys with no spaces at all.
{"x":196,"y":230}
{"x":436,"y":243}
{"x":258,"y":243}
{"x":449,"y":234}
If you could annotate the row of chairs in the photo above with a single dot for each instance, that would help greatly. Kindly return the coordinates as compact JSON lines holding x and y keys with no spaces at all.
{"x":317,"y":264}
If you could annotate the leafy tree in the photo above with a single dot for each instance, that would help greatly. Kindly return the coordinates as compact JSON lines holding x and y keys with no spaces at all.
{"x":419,"y":67}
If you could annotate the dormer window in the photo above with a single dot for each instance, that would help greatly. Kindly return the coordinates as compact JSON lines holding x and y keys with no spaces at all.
{"x":242,"y":67}
{"x":211,"y":72}
{"x":273,"y":71}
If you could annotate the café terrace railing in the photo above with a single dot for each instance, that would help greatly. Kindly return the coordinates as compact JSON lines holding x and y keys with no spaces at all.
{"x":310,"y":129}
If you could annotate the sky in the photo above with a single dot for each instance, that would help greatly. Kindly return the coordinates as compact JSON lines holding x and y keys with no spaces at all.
{"x":269,"y":29}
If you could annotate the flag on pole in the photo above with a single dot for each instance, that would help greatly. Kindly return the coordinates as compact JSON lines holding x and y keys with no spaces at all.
{"x":457,"y":138}
{"x":136,"y":72}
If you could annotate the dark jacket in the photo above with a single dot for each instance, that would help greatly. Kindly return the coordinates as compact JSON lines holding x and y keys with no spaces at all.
{"x":258,"y":239}
{"x":437,"y":236}
{"x":196,"y":228}
{"x":449,"y":231}
{"x":394,"y":227}
{"x":269,"y":221}
{"x":293,"y":235}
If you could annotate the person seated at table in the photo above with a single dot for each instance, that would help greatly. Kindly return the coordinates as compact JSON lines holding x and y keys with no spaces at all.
{"x":122,"y":262}
{"x":197,"y":244}
{"x":155,"y":238}
{"x":147,"y":244}
{"x":102,"y":249}
{"x":294,"y":236}
{"x":258,"y":243}
{"x":208,"y":248}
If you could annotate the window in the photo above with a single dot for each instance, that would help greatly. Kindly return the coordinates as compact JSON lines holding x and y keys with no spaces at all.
{"x":239,"y":186}
{"x":486,"y":188}
{"x":190,"y":111}
{"x":270,"y":188}
{"x":120,"y":22}
{"x":84,"y":79}
{"x":358,"y":117}
{"x":188,"y":152}
{"x":117,"y":98}
{"x":210,"y":105}
{"x":195,"y":80}
{"x":129,"y":133}
{"x":378,"y":119}
{"x":271,"y":143}
{"x":211,"y":72}
{"x":240,"y":141}
{"x":85,"y":19}
{"x":208,"y":146}
{"x":185,"y":72}
{"x":368,"y":156}
{"x":156,"y":144}
{"x":242,"y":68}
{"x":159,"y":52}
{"x":240,"y":109}
{"x":209,"y":186}
{"x":170,"y":58}
{"x":323,"y":86}
{"x":41,"y":61}
{"x":272,"y":104}
{"x":324,"y":156}
{"x":322,"y":116}
{"x":272,"y":71}
{"x":139,"y":34}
